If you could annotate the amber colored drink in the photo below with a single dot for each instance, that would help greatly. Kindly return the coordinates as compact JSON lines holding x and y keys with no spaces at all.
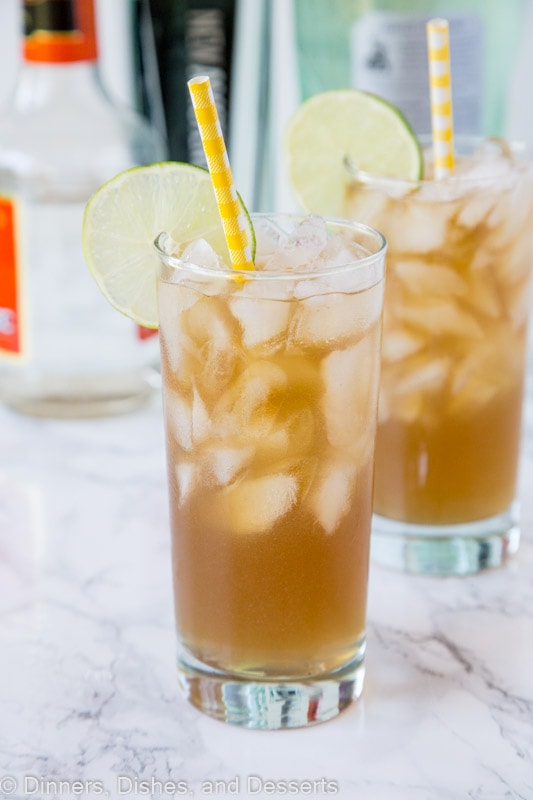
{"x":454,"y":338}
{"x":270,"y":395}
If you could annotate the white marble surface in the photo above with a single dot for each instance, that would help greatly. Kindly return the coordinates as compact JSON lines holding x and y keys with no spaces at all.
{"x":87,"y":680}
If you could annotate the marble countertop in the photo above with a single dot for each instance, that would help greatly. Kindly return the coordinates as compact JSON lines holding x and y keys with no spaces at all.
{"x":89,"y":705}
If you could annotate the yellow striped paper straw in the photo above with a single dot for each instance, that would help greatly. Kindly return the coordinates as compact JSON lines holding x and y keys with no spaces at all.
{"x":438,"y":40}
{"x":219,"y":167}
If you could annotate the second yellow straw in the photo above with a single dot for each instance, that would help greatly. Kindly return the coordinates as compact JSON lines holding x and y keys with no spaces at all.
{"x":220,"y":170}
{"x":441,"y":96}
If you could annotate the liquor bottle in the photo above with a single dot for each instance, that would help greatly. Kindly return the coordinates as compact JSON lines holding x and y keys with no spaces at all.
{"x":168,"y":19}
{"x":380,"y":46}
{"x":209,"y":26}
{"x":146,"y":83}
{"x":193,"y":37}
{"x":63,"y":350}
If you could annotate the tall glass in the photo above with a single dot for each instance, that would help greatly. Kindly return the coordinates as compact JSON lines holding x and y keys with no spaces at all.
{"x":453,"y":359}
{"x":270,"y":382}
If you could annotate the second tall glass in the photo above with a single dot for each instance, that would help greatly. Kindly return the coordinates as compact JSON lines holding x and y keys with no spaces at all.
{"x":453,"y":358}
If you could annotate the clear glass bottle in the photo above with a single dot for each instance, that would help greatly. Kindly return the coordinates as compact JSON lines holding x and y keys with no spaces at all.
{"x":63,"y":350}
{"x":380,"y":46}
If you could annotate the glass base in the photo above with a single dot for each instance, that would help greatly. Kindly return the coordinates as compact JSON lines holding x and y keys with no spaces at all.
{"x":445,"y":549}
{"x":270,"y":704}
{"x":79,"y":397}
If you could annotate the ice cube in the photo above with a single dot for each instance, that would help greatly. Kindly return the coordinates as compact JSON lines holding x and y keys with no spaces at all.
{"x":512,"y":263}
{"x":173,"y":300}
{"x":214,"y":335}
{"x":408,"y":408}
{"x":483,"y":295}
{"x":255,"y":505}
{"x":521,"y":199}
{"x":200,"y":422}
{"x":168,"y":245}
{"x":324,"y":321}
{"x":290,"y":437}
{"x":440,"y":317}
{"x":418,"y":227}
{"x":290,"y":258}
{"x":311,"y":287}
{"x":272,"y":447}
{"x":512,"y":216}
{"x":330,"y":496}
{"x":365,"y":204}
{"x":482,"y":258}
{"x":517,"y":303}
{"x":473,"y":397}
{"x":185,"y":472}
{"x":423,"y":374}
{"x":340,"y":251}
{"x":226,"y":463}
{"x":349,"y":401}
{"x":399,"y":343}
{"x":429,"y":279}
{"x":408,"y":391}
{"x":384,"y":407}
{"x":311,"y":234}
{"x":260,"y":289}
{"x":208,"y":322}
{"x":477,"y":207}
{"x":201,"y":253}
{"x":263,"y":323}
{"x":269,"y":238}
{"x":302,"y":248}
{"x":186,"y":418}
{"x":488,"y":369}
{"x":178,"y":417}
{"x":251,"y":402}
{"x":493,"y":149}
{"x":178,"y":358}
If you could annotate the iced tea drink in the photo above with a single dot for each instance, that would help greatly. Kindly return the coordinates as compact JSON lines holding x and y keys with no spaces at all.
{"x":270,"y":396}
{"x":453,"y":358}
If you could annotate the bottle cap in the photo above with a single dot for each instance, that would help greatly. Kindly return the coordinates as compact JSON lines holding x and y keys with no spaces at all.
{"x":57,"y":31}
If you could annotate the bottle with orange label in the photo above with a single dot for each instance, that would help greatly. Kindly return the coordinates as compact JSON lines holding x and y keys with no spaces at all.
{"x":62,"y":350}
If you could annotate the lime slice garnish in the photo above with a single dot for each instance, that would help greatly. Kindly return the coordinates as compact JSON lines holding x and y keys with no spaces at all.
{"x":124,"y":216}
{"x":346,"y":124}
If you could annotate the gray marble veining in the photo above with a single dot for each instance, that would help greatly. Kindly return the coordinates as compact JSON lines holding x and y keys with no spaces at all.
{"x":88,"y":688}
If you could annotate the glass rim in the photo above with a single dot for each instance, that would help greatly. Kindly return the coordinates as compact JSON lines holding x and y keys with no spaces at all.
{"x":518,"y":148}
{"x":175,"y":262}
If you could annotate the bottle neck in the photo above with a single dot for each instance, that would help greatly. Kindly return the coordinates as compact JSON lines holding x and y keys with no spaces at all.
{"x":59,"y":32}
{"x":43,"y":85}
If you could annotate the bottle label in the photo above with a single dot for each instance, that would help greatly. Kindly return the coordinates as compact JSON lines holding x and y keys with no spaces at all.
{"x":145,"y":333}
{"x":11,"y":317}
{"x":208,"y":52}
{"x":389,"y":58}
{"x":58,"y":31}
